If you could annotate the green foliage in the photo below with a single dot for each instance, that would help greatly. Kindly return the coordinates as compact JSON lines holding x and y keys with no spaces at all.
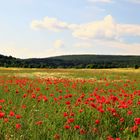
{"x":73,"y":61}
{"x":136,"y":66}
{"x":79,"y":100}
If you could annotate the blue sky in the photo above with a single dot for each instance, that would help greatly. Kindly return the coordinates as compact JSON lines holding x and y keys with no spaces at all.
{"x":43,"y":28}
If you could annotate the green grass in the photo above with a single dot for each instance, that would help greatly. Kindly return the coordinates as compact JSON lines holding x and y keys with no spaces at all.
{"x":49,"y":100}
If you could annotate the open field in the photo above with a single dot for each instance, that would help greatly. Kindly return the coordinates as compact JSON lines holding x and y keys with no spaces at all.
{"x":115,"y":74}
{"x":69,"y":104}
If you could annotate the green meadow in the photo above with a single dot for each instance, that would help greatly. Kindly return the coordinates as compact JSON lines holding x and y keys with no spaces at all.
{"x":69,"y":104}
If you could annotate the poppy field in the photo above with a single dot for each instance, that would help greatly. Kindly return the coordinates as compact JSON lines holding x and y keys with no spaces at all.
{"x":42,"y":104}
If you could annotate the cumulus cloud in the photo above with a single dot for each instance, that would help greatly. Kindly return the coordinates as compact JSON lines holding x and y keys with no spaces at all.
{"x":58,"y":43}
{"x":107,"y":28}
{"x":49,"y":23}
{"x":103,"y":1}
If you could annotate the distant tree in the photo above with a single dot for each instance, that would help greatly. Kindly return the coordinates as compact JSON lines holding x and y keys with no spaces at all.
{"x":90,"y":66}
{"x":6,"y":65}
{"x":80,"y":66}
{"x":10,"y":57}
{"x":136,"y":66}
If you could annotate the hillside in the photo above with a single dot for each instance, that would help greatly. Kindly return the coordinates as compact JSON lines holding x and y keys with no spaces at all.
{"x":73,"y":61}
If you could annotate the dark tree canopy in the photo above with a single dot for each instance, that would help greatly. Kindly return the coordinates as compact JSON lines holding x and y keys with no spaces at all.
{"x":73,"y":61}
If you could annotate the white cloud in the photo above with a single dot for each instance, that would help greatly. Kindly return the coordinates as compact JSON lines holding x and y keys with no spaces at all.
{"x":58,"y":43}
{"x":49,"y":23}
{"x":103,"y":1}
{"x":107,"y":28}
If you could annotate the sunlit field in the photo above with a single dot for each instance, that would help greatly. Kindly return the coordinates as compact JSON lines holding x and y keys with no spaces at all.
{"x":69,"y":104}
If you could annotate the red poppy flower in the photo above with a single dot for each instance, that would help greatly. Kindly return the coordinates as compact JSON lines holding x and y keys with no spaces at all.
{"x":121,"y":119}
{"x":67,"y":127}
{"x":39,"y":123}
{"x":67,"y":102}
{"x":11,"y":114}
{"x":57,"y":136}
{"x":77,"y":127}
{"x":134,"y":128}
{"x":18,"y":116}
{"x":18,"y":126}
{"x":97,"y":121}
{"x":2,"y":101}
{"x":70,"y":120}
{"x":82,"y":131}
{"x":129,"y":112}
{"x":2,"y":114}
{"x":23,"y":106}
{"x":0,"y":107}
{"x":137,"y":121}
{"x":6,"y":120}
{"x":65,"y":114}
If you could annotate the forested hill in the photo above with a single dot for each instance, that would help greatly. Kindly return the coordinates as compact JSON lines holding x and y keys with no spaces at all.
{"x":73,"y":61}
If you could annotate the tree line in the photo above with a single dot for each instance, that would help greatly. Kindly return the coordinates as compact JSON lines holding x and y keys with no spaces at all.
{"x":73,"y":61}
